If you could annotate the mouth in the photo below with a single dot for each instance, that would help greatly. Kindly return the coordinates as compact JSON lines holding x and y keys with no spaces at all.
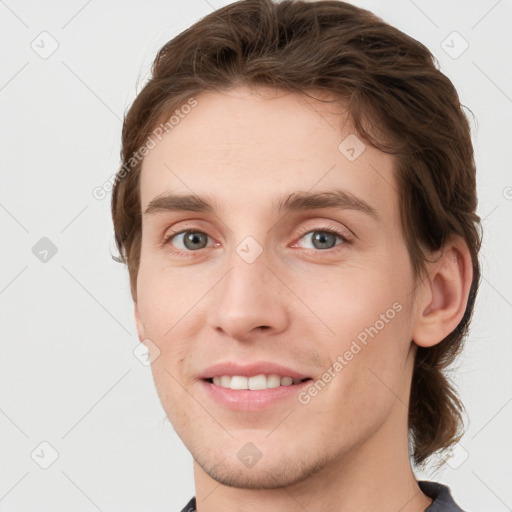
{"x":257,"y":393}
{"x":255,"y":382}
{"x":255,"y":386}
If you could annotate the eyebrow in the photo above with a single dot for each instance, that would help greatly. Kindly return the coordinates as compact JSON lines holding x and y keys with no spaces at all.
{"x":297,"y":201}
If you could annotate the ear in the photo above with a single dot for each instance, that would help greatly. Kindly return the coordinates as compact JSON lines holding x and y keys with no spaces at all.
{"x":141,"y":331}
{"x":443,"y":295}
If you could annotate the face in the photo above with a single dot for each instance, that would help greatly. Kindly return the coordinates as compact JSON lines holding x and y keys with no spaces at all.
{"x":264,"y":285}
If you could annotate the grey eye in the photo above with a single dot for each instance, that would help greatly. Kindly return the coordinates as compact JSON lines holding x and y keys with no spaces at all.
{"x":192,"y":240}
{"x":322,"y":239}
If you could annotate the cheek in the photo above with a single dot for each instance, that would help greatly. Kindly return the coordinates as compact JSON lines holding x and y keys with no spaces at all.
{"x":369,"y":376}
{"x":166,"y":301}
{"x":164,"y":297}
{"x":366,"y":314}
{"x":345,"y":301}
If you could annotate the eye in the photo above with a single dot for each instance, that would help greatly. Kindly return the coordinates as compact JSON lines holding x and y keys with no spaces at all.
{"x":188,"y":240}
{"x":323,"y":239}
{"x":192,"y":240}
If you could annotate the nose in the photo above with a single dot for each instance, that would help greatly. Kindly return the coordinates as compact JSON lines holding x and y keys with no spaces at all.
{"x":250,"y":301}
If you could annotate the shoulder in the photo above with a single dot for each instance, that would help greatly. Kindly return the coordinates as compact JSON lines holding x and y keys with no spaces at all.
{"x":441,"y":495}
{"x":190,"y":506}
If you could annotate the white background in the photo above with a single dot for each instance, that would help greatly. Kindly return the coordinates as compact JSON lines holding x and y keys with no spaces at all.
{"x":67,"y":372}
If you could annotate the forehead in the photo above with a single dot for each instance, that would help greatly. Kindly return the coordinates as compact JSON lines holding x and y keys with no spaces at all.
{"x":251,"y":150}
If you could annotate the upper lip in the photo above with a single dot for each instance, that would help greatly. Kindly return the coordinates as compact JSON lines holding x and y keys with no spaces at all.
{"x":248,"y":370}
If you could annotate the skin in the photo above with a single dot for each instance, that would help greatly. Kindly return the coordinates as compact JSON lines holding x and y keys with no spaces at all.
{"x":347,"y":449}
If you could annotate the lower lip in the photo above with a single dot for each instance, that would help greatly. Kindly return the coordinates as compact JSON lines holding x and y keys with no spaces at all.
{"x":247,"y":400}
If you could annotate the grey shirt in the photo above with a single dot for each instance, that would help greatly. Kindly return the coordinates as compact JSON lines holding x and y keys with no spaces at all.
{"x":440,"y":494}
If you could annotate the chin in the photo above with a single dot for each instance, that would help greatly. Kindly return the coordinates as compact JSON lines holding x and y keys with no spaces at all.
{"x":277,"y":473}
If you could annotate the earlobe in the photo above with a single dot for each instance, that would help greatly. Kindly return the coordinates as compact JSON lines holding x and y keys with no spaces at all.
{"x":444,"y":294}
{"x":141,"y":332}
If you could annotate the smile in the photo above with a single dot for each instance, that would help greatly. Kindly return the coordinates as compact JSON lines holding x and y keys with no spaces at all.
{"x":256,"y":382}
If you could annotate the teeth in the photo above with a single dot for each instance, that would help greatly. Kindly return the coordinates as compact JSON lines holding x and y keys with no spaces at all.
{"x":253,"y":383}
{"x":238,"y":382}
{"x":286,"y":381}
{"x":257,"y":382}
{"x":273,"y":381}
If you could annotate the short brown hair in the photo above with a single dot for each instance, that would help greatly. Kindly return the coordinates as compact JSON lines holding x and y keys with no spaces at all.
{"x":387,"y":79}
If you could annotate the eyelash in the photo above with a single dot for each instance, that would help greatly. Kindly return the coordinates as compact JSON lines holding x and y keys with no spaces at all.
{"x":327,"y":229}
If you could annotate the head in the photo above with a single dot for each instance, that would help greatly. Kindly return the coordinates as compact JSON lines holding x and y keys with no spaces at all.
{"x":253,"y":103}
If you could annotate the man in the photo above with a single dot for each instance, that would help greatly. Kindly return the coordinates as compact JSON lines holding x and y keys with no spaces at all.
{"x":296,"y":207}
